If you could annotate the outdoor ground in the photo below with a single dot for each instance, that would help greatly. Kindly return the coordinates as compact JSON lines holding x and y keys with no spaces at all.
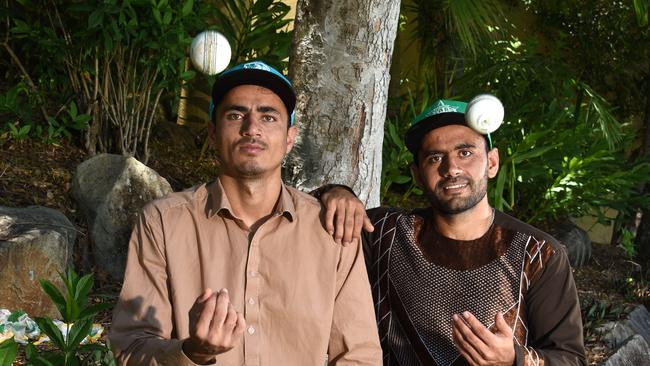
{"x":32,"y":173}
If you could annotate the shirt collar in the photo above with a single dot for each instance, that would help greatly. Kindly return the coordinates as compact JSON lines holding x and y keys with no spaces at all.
{"x":218,"y":202}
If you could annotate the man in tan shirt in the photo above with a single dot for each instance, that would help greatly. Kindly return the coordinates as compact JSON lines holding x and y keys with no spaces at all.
{"x":240,"y":271}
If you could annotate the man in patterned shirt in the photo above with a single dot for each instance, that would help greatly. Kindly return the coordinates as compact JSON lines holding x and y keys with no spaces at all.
{"x":460,"y":283}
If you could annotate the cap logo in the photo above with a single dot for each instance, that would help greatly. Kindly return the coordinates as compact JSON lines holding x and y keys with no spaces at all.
{"x":441,"y":107}
{"x":256,"y":65}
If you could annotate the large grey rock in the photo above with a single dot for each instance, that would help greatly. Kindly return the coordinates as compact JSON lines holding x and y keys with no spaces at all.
{"x":634,"y":352}
{"x":35,"y":243}
{"x":111,"y":190}
{"x":576,"y":241}
{"x":631,"y":337}
{"x":637,"y":322}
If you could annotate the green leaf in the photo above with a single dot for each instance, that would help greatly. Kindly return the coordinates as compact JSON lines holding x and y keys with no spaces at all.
{"x":24,"y":130}
{"x":498,"y":190}
{"x":13,"y":317}
{"x":167,"y":18}
{"x":55,"y":295}
{"x":95,"y":19}
{"x":533,"y":153}
{"x":641,"y":10}
{"x":92,"y":347}
{"x":81,"y":122}
{"x":188,"y":75}
{"x":402,"y":179}
{"x":78,"y":332}
{"x":8,"y":351}
{"x":73,"y":110}
{"x":94,"y":309}
{"x":49,"y":328}
{"x":40,"y":361}
{"x":30,"y":351}
{"x":156,"y":15}
{"x":83,"y":287}
{"x":187,"y":7}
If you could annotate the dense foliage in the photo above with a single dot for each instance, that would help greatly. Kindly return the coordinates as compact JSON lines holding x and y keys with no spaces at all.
{"x":104,"y":67}
{"x":573,"y":81}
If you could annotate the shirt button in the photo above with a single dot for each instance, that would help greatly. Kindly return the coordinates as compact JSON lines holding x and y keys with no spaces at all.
{"x":253,"y":274}
{"x":251,"y":301}
{"x":251,"y":330}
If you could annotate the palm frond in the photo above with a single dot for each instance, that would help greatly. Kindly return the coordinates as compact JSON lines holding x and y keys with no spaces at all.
{"x":471,"y":20}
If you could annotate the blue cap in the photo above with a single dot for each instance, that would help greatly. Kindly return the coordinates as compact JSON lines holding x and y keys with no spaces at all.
{"x":255,"y":73}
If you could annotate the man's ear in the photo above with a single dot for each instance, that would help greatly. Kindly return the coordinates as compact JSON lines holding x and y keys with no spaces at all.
{"x":291,"y":137}
{"x":493,"y":162}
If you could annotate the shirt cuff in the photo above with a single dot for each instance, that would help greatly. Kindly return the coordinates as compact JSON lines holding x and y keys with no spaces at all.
{"x":174,"y":355}
{"x":519,"y":355}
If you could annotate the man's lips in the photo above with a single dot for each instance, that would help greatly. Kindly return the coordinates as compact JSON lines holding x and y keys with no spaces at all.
{"x":453,"y":186}
{"x":250,"y":146}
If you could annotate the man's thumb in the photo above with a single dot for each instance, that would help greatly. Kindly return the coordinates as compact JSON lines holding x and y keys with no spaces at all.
{"x":501,"y":326}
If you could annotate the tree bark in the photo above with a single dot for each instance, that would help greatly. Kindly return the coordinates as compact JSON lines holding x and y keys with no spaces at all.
{"x":340,"y":66}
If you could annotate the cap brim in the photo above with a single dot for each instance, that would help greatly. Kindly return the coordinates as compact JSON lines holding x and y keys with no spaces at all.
{"x":263,"y":78}
{"x":417,"y":132}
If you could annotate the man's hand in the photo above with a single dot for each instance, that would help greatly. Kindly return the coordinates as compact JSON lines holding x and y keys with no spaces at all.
{"x":215,"y":327}
{"x":345,"y":216}
{"x":479,"y":345}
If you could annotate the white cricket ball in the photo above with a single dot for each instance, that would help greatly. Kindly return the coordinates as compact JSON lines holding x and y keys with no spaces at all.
{"x":210,"y":52}
{"x":484,"y":113}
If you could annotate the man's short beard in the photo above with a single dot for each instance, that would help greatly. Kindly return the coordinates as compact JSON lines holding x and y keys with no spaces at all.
{"x":250,"y":170}
{"x":458,"y":205}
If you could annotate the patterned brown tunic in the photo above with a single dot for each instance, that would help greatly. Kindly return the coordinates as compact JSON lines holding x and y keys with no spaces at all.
{"x":420,"y":279}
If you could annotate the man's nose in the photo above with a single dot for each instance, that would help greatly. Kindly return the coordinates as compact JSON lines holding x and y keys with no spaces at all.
{"x":450,"y":167}
{"x":251,"y":126}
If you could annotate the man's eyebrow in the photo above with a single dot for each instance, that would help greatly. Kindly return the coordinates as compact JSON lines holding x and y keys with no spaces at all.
{"x":432,"y":152}
{"x":465,"y":145}
{"x":235,"y":107}
{"x":267,"y":109}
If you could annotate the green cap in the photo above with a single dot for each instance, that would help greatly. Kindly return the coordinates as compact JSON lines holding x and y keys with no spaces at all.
{"x":441,"y":113}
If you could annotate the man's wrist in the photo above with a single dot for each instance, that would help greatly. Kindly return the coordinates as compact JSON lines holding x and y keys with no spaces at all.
{"x":320,"y":191}
{"x":195,"y":356}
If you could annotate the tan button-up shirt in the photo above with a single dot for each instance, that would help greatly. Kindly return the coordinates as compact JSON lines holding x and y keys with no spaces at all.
{"x":306,"y":299}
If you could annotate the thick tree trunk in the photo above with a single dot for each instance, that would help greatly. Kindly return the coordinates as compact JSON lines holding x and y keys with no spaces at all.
{"x":340,"y":65}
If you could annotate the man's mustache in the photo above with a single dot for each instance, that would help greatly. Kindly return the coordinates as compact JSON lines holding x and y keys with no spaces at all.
{"x":251,"y":140}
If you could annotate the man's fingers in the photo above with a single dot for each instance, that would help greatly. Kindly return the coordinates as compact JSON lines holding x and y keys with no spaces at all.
{"x":463,"y":345}
{"x":349,"y":224}
{"x":239,"y":326}
{"x":231,"y":318}
{"x":220,"y":310}
{"x":204,"y":311}
{"x":329,"y":218}
{"x":358,"y":225}
{"x":468,"y":333}
{"x":340,"y":224}
{"x":367,"y":224}
{"x":205,"y":295}
{"x":501,"y":326}
{"x":478,"y":329}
